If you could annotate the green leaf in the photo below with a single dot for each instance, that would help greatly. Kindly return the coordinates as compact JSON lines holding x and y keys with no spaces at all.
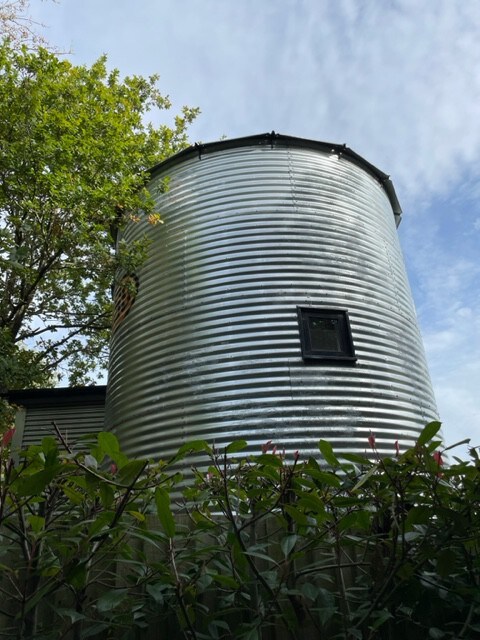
{"x":417,"y":515}
{"x":95,"y":630}
{"x":92,"y":482}
{"x":156,"y":590}
{"x":311,"y":502}
{"x":355,"y":458}
{"x":380,"y":618}
{"x":237,"y":445}
{"x":37,"y":597}
{"x":137,"y":515}
{"x":37,"y":523}
{"x":269,"y":459}
{"x":107,"y":495}
{"x":326,"y":598}
{"x":74,"y":496}
{"x":164,"y":513}
{"x":225,"y":581}
{"x":73,"y":615}
{"x":288,"y":543}
{"x":76,"y":575}
{"x":50,"y":448}
{"x":195,"y":446}
{"x":108,"y":445}
{"x":101,"y":523}
{"x":35,"y":484}
{"x":457,"y":444}
{"x":108,"y":442}
{"x":428,"y":432}
{"x":433,"y":445}
{"x":250,"y":634}
{"x":111,"y":599}
{"x":310,"y":591}
{"x":355,"y":520}
{"x":326,"y":614}
{"x":324,"y":477}
{"x":348,"y":501}
{"x":364,"y":477}
{"x":327,"y":452}
{"x":257,"y":554}
{"x":213,"y":629}
{"x":298,"y":516}
{"x":128,"y":473}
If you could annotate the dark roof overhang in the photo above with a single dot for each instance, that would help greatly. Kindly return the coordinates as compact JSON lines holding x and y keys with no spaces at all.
{"x":57,"y":396}
{"x":272,"y":139}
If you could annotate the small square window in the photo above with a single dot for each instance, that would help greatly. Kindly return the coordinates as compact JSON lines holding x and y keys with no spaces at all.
{"x":325,"y":334}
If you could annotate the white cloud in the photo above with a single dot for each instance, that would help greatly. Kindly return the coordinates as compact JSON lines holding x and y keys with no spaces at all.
{"x":397,"y":80}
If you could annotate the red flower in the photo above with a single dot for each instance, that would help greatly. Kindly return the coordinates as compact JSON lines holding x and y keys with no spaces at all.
{"x":437,"y":456}
{"x":397,"y":448}
{"x":7,"y":437}
{"x":113,"y":468}
{"x":371,"y":440}
{"x":266,"y":446}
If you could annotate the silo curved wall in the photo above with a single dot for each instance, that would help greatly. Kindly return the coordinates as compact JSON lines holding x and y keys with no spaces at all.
{"x":211,"y":347}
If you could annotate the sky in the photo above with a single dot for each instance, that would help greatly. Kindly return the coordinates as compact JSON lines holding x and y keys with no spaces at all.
{"x":398,"y":81}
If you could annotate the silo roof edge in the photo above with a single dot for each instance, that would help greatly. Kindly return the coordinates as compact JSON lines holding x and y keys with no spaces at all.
{"x":274,"y":138}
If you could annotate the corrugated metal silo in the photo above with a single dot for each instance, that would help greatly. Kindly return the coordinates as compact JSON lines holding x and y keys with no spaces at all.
{"x":274,"y":305}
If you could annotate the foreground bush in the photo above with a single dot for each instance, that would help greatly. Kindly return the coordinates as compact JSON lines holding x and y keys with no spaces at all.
{"x":96,"y":545}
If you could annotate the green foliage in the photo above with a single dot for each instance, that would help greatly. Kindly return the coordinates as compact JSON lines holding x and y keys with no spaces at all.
{"x":252,"y":547}
{"x":75,"y":154}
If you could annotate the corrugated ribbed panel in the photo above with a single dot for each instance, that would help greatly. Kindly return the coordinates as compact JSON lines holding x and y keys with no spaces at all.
{"x":211,"y":347}
{"x":74,"y":420}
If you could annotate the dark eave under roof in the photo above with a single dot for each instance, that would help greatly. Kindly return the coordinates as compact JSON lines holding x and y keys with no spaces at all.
{"x":273,"y":139}
{"x":57,"y":396}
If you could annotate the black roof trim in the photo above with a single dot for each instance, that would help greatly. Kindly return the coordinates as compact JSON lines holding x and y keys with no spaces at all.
{"x":56,"y":396}
{"x":272,"y":139}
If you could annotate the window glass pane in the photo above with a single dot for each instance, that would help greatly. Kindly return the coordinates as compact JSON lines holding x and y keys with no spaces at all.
{"x":324,"y":334}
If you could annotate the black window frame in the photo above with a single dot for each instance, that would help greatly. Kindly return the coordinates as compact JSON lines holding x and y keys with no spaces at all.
{"x":345,"y":354}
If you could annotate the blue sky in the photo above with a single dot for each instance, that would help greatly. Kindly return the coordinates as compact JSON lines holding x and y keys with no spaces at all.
{"x":398,"y":81}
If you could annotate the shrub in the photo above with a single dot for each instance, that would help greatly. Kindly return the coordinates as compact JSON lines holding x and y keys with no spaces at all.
{"x":94,"y":544}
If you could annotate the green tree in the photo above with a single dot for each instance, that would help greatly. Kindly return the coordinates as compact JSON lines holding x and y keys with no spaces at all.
{"x":75,"y":154}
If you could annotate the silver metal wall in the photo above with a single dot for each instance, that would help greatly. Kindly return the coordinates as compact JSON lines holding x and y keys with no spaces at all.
{"x":75,"y":411}
{"x":211,"y":349}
